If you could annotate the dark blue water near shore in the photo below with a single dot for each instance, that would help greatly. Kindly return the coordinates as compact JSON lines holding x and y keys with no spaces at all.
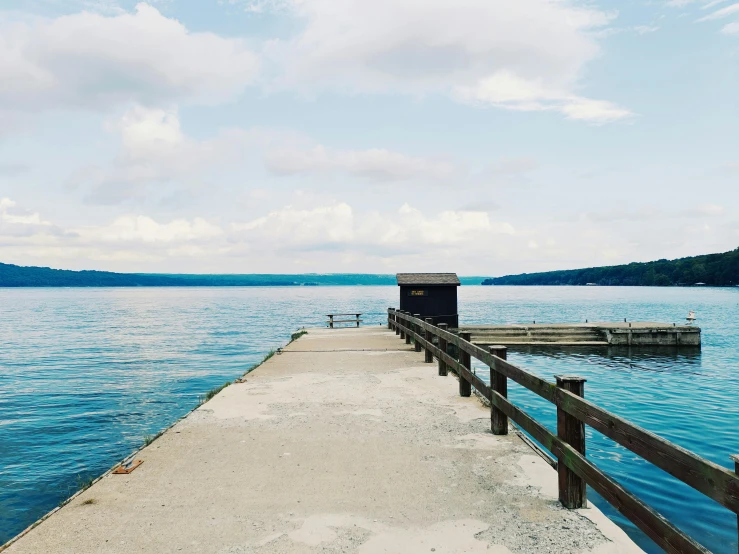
{"x":85,"y":374}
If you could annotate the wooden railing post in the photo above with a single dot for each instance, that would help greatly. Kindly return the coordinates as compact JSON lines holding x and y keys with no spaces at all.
{"x":389,"y":318}
{"x":572,"y":489}
{"x":735,"y":457}
{"x":429,"y":356}
{"x":403,"y":334}
{"x":397,"y":323}
{"x":465,"y":387}
{"x":442,"y":347}
{"x":416,"y":332}
{"x":498,"y":383}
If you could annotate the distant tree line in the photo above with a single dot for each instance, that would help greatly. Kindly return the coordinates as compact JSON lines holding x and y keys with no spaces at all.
{"x":719,"y":270}
{"x":18,"y":276}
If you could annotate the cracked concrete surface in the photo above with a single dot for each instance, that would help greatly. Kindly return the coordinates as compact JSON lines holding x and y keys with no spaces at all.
{"x":345,"y":442}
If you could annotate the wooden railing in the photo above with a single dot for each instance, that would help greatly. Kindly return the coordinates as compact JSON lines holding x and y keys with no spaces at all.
{"x":568,"y":444}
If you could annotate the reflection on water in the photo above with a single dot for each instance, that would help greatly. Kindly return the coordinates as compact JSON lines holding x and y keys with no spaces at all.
{"x":85,"y":374}
{"x":651,"y":353}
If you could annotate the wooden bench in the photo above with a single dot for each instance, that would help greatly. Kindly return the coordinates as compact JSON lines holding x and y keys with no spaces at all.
{"x":331,"y":319}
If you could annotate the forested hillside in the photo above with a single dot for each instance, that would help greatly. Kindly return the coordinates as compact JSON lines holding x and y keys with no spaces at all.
{"x":721,"y":270}
{"x":19,"y":276}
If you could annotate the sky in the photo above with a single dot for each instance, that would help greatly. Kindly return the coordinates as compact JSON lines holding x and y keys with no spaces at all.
{"x":485,"y":137}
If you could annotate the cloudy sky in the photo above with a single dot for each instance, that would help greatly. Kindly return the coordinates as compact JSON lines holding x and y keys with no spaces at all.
{"x":479,"y":136}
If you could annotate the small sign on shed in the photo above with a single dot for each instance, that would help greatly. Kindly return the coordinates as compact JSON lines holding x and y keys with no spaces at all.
{"x":431,"y":295}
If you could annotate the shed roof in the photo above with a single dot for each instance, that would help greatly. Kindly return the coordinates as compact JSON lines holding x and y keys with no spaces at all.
{"x":436,"y":279}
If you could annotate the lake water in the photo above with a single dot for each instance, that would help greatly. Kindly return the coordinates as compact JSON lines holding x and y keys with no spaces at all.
{"x":86,"y":374}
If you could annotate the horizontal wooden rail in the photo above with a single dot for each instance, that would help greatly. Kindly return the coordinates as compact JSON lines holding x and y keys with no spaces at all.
{"x":331,"y":319}
{"x":714,"y":481}
{"x":661,"y":531}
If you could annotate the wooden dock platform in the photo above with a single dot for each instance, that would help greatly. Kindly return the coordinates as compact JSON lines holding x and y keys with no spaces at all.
{"x":638,"y":333}
{"x":344,"y":442}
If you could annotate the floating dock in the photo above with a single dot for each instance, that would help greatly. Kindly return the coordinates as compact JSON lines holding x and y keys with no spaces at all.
{"x":344,"y":442}
{"x":639,"y":333}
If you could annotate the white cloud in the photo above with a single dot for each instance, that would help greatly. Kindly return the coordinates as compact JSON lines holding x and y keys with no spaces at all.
{"x":88,"y":60}
{"x":707,"y":4}
{"x":377,"y":164}
{"x":146,"y":131}
{"x":334,"y":230}
{"x":596,"y":111}
{"x":645,"y":29}
{"x":508,"y":91}
{"x":525,"y":55}
{"x":291,"y":227}
{"x":713,"y":3}
{"x":337,"y":226}
{"x":722,"y":13}
{"x":728,"y":11}
{"x":26,"y":237}
{"x":678,"y":3}
{"x":143,"y":229}
{"x":11,"y":215}
{"x":156,"y":156}
{"x":706,"y":210}
{"x":339,"y":237}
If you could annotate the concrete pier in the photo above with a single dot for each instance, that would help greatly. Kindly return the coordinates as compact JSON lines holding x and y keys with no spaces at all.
{"x":345,"y":442}
{"x":638,"y":333}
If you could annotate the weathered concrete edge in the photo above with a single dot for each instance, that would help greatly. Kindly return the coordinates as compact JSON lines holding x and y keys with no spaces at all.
{"x":133,"y":454}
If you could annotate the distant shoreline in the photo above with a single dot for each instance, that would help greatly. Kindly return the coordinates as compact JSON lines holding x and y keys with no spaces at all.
{"x":711,"y":270}
{"x":14,"y":276}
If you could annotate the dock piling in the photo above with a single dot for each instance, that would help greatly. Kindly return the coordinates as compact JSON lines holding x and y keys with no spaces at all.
{"x":572,"y":488}
{"x":443,"y":348}
{"x":416,"y":333}
{"x":499,"y":384}
{"x":465,"y":387}
{"x":429,"y":356}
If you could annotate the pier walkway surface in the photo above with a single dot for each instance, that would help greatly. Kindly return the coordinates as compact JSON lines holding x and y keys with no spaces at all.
{"x":345,"y":442}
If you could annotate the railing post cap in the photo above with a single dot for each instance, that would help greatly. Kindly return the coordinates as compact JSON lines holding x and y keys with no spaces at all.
{"x":734,"y":457}
{"x":498,"y":347}
{"x":569,"y":379}
{"x":429,"y":320}
{"x":464,"y":334}
{"x":443,"y":325}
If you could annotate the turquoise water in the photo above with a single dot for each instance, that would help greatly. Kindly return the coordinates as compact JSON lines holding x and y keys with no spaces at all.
{"x":86,"y":374}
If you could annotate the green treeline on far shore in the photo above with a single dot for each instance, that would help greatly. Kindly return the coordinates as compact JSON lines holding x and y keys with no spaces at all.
{"x":717,"y":270}
{"x":19,"y":276}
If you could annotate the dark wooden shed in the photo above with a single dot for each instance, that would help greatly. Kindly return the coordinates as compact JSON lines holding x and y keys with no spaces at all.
{"x":430,"y":295}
